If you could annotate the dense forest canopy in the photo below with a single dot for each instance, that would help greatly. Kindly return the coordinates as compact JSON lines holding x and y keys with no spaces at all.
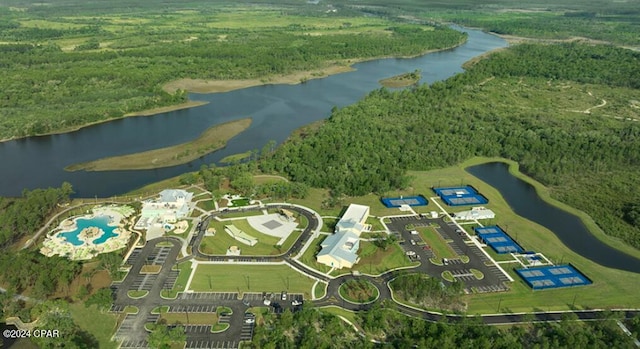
{"x":524,"y":103}
{"x":61,"y":72}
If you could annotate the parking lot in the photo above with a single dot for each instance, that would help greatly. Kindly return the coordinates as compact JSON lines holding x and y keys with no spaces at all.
{"x":126,"y":327}
{"x":143,"y":282}
{"x":206,"y":344}
{"x":170,"y":281}
{"x":248,"y":324}
{"x":158,"y":256}
{"x":210,"y":295}
{"x":192,"y":309}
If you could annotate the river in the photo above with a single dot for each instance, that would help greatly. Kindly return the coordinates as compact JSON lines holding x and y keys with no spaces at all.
{"x":277,"y":110}
{"x":524,"y":200}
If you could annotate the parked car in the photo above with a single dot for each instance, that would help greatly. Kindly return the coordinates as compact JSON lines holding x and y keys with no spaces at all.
{"x":284,"y":295}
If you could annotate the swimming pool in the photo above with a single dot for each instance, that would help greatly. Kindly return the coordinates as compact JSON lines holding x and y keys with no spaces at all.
{"x":101,"y":222}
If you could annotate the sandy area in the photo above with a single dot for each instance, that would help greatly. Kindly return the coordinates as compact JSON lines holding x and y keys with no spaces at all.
{"x":214,"y":86}
{"x":149,"y":112}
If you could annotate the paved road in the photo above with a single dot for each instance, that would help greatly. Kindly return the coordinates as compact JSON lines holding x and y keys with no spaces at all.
{"x":164,"y":251}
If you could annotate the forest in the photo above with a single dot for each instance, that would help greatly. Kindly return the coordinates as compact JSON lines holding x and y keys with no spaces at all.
{"x":314,"y":328}
{"x":62,"y":72}
{"x":24,"y":216}
{"x":532,"y":103}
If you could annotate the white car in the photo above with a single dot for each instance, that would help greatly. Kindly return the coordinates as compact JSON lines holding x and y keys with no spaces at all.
{"x":249,"y":321}
{"x":296,"y":302}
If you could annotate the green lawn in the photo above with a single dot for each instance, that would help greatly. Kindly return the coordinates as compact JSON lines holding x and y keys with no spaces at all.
{"x":309,"y":256}
{"x":320,"y":290}
{"x":375,"y":223}
{"x":374,"y":260}
{"x":218,"y":244}
{"x":349,"y":315}
{"x":435,"y":241}
{"x":620,"y":287}
{"x":232,"y":214}
{"x":102,"y":325}
{"x":250,"y":278}
{"x":315,"y":197}
{"x":207,"y":205}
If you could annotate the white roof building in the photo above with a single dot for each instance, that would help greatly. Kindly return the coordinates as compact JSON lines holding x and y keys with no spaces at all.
{"x":353,"y":220}
{"x":170,"y":206}
{"x":341,"y":249}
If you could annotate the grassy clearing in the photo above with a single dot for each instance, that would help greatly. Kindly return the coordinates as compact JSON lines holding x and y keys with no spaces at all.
{"x":349,"y":315}
{"x":316,"y":196}
{"x":209,"y":141}
{"x":618,"y":286}
{"x":181,"y":281}
{"x":99,"y":324}
{"x":358,"y":292}
{"x":309,"y":256}
{"x":320,"y":290}
{"x":374,"y":260}
{"x":375,"y":223}
{"x":435,"y":241}
{"x":250,"y":278}
{"x":235,"y":157}
{"x":218,"y":244}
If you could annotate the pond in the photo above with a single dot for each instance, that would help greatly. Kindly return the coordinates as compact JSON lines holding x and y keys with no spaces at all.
{"x":524,"y":200}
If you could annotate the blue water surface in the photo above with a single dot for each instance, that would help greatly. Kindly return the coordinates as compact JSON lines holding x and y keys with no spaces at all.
{"x":100,"y":222}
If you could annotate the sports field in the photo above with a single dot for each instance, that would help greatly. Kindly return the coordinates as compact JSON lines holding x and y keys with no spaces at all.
{"x":250,"y":278}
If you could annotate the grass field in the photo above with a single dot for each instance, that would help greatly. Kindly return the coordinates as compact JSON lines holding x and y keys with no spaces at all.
{"x":402,"y":80}
{"x":101,"y":325}
{"x":309,"y":256}
{"x":250,"y":278}
{"x":218,"y":244}
{"x":612,"y":288}
{"x":212,"y":139}
{"x":374,"y":260}
{"x":230,"y":159}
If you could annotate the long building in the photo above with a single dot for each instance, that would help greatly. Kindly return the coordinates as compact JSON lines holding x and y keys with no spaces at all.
{"x":340,"y":250}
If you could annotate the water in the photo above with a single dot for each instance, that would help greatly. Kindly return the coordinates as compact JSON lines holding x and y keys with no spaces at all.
{"x":524,"y":200}
{"x":100,"y":222}
{"x":276,"y":110}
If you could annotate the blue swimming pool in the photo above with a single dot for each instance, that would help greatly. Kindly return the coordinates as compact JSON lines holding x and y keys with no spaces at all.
{"x":101,"y":222}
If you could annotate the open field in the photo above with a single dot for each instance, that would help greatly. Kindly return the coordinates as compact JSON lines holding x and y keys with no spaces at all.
{"x":218,"y":244}
{"x":212,"y":139}
{"x":611,"y":287}
{"x":374,"y":260}
{"x":250,"y":278}
{"x":101,"y":325}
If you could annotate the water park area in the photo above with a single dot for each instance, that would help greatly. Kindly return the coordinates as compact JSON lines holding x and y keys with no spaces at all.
{"x":84,"y":237}
{"x":461,"y":196}
{"x":158,"y":215}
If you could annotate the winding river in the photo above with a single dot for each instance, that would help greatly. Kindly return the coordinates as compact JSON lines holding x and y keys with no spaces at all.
{"x":277,"y":110}
{"x":524,"y":200}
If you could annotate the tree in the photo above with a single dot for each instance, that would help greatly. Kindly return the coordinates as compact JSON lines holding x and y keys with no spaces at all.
{"x":162,"y":336}
{"x":102,"y":299}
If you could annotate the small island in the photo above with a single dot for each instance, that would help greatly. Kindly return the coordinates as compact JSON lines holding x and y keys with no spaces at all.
{"x":214,"y":138}
{"x":402,"y":80}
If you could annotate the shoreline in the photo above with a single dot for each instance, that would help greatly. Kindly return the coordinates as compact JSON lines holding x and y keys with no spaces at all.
{"x":338,"y":67}
{"x":212,"y":139}
{"x":218,"y":86}
{"x":148,"y":112}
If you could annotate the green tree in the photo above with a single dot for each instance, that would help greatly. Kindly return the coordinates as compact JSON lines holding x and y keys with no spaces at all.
{"x":162,"y":336}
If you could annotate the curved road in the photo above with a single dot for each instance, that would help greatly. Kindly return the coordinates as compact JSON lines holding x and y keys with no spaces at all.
{"x":332,"y":296}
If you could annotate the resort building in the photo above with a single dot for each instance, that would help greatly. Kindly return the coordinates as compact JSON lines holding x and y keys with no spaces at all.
{"x":340,"y":250}
{"x":169,"y":207}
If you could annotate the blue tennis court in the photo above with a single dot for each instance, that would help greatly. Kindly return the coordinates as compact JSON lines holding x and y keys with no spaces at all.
{"x":555,"y":276}
{"x":460,"y":196}
{"x":409,"y":200}
{"x":498,"y":239}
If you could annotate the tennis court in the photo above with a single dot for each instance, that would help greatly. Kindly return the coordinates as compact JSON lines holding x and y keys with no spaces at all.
{"x":553,"y":277}
{"x":409,"y":201}
{"x":498,"y":239}
{"x":460,"y":196}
